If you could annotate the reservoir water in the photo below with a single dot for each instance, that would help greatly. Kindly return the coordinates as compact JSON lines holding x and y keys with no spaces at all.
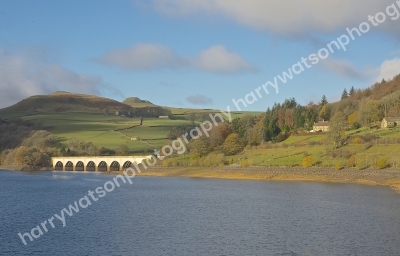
{"x":183,"y":216}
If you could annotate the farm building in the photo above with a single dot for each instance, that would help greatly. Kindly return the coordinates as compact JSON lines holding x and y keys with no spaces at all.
{"x":388,"y":122}
{"x":322,"y":126}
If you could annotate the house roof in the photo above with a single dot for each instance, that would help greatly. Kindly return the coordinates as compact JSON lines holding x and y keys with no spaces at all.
{"x":322,"y":123}
{"x":392,"y":119}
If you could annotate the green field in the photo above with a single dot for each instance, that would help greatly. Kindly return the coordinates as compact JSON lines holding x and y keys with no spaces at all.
{"x":109,"y":131}
{"x":291,"y":151}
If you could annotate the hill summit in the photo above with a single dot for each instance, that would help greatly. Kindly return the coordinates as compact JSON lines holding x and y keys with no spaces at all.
{"x":65,"y":102}
{"x":136,"y":102}
{"x":60,"y":102}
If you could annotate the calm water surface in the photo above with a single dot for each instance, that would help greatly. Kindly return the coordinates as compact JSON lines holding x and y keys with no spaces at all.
{"x":182,"y":216}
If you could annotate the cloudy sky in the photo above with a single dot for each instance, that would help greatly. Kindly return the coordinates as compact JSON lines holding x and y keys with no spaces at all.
{"x":194,"y":53}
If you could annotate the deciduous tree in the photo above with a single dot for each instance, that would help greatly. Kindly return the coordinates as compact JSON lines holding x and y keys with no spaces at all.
{"x":123,"y":150}
{"x":232,"y":145}
{"x":337,"y":128}
{"x":200,"y":146}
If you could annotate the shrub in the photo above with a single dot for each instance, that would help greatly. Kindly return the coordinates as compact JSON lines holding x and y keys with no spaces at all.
{"x":219,"y":159}
{"x":164,"y":163}
{"x":244,"y":163}
{"x":360,"y":166}
{"x":282,"y":136}
{"x":194,"y":163}
{"x":357,"y":140}
{"x":338,"y":166}
{"x":367,"y":146}
{"x":308,"y":161}
{"x":355,"y":126}
{"x":122,"y":150}
{"x":340,"y":153}
{"x":381,"y":163}
{"x":370,"y":137}
{"x":351,"y":162}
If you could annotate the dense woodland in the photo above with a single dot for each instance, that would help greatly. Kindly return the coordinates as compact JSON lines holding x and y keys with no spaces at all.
{"x":25,"y":143}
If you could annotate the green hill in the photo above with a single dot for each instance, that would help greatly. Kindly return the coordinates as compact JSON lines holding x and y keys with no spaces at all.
{"x":138,"y":103}
{"x":90,"y":118}
{"x":63,"y":102}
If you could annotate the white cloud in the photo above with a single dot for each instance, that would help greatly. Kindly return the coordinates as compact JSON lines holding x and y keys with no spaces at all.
{"x":199,"y":99}
{"x":389,"y":69}
{"x":283,"y":17}
{"x":141,"y":56}
{"x":23,"y":75}
{"x":343,"y":68}
{"x":216,"y":59}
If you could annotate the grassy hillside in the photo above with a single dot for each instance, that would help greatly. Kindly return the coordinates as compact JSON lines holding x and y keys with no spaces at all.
{"x":138,"y":103}
{"x":63,"y":102}
{"x":92,"y":119}
{"x":291,"y":152}
{"x":108,"y":131}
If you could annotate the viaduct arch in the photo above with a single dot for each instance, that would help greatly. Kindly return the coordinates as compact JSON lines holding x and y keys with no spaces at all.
{"x":96,"y":163}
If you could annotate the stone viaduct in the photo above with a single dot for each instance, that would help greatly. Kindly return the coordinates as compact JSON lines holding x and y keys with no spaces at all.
{"x":96,"y":163}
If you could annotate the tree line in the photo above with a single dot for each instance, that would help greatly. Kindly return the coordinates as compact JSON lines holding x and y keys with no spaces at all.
{"x":27,"y":143}
{"x":357,"y":107}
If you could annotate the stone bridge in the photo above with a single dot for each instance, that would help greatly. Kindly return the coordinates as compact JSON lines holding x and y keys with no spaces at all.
{"x":96,"y":163}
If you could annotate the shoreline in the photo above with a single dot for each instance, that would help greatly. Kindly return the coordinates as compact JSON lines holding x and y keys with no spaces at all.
{"x":382,"y":177}
{"x":23,"y":168}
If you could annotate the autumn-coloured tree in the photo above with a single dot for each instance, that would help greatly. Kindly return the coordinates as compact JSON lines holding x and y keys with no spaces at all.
{"x":178,"y":131}
{"x":375,"y":113}
{"x":325,"y":112}
{"x":200,"y":146}
{"x":351,"y":119}
{"x":337,"y":128}
{"x":219,"y":133}
{"x":256,"y":134}
{"x":280,"y":114}
{"x":122,"y":150}
{"x":290,"y":118}
{"x":232,"y":145}
{"x":394,"y":111}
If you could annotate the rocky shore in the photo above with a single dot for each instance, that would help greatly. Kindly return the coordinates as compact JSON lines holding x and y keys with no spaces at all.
{"x":23,"y":168}
{"x":385,"y":177}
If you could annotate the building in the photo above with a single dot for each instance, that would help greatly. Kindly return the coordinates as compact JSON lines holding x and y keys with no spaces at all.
{"x":321,"y":126}
{"x":389,"y":122}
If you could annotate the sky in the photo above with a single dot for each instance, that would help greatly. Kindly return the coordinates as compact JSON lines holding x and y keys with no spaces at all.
{"x":197,"y":53}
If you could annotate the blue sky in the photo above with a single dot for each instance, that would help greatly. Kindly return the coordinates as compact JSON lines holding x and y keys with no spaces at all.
{"x":191,"y":53}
